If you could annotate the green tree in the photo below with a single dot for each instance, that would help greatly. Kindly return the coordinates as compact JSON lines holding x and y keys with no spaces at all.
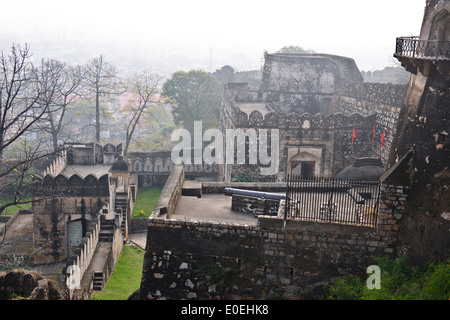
{"x":196,"y":96}
{"x":144,"y":102}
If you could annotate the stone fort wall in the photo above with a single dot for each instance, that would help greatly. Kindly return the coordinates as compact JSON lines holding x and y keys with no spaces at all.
{"x":330,"y":137}
{"x":192,"y":259}
{"x":189,"y":259}
{"x":382,"y":99}
{"x":372,"y":109}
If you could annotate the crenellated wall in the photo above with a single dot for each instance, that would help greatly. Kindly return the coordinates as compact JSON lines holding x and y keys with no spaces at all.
{"x":328,"y":138}
{"x":77,"y":264}
{"x":382,"y":99}
{"x":71,"y":186}
{"x":58,"y":201}
{"x":161,"y":162}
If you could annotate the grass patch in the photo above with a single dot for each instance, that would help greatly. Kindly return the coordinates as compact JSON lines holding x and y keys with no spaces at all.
{"x":146,"y":200}
{"x":9,"y":211}
{"x":126,"y":277}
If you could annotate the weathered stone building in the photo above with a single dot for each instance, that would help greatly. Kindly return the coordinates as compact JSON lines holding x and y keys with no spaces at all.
{"x":326,"y":115}
{"x":207,"y":248}
{"x":153,"y":168}
{"x":202,"y":248}
{"x":81,"y":210}
{"x":71,"y":193}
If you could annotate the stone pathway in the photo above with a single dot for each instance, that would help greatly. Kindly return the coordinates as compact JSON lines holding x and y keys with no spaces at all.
{"x":138,"y":239}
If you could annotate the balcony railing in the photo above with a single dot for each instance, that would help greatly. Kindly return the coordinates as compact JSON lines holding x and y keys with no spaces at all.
{"x":412,"y":47}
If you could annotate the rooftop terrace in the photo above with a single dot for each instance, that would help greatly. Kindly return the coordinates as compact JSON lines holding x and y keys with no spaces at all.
{"x":211,"y":207}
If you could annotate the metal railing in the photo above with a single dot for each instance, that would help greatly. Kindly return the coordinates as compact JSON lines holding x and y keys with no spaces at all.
{"x":332,"y":200}
{"x":413,"y":47}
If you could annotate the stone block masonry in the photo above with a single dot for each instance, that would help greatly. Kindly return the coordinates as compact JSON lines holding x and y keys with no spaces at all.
{"x":382,"y":99}
{"x":270,"y":258}
{"x":273,"y":259}
{"x":391,"y":211}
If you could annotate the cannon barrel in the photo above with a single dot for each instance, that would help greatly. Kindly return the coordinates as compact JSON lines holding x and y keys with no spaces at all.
{"x":256,"y":194}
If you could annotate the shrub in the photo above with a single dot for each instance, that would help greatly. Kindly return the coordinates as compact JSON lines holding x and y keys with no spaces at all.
{"x":400,"y":280}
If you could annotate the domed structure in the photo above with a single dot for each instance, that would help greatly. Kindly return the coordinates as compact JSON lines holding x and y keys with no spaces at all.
{"x":120,"y":165}
{"x":368,"y":169}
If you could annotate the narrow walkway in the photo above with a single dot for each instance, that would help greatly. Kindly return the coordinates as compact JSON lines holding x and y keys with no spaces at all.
{"x":97,"y":263}
{"x":138,"y":239}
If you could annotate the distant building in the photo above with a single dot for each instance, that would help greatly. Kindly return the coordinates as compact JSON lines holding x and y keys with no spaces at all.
{"x":326,"y":115}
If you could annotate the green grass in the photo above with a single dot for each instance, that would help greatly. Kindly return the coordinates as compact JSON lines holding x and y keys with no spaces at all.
{"x":146,"y":200}
{"x":9,"y":211}
{"x":126,"y":277}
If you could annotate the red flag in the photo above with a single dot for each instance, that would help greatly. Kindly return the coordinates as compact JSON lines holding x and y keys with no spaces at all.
{"x":373,"y":136}
{"x":382,"y":139}
{"x":354,"y":135}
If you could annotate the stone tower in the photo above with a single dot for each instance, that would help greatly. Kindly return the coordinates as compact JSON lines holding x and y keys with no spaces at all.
{"x":424,"y":121}
{"x":422,"y":131}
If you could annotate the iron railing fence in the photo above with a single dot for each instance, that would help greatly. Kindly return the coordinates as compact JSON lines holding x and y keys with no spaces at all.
{"x":422,"y":49}
{"x":332,"y":200}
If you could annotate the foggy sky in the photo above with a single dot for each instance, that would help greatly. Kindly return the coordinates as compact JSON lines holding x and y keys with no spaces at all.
{"x":170,"y":35}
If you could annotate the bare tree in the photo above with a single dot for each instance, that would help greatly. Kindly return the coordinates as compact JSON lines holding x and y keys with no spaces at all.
{"x":66,"y":82}
{"x":102,"y":82}
{"x":23,"y":103}
{"x":21,"y":97}
{"x":144,"y":88}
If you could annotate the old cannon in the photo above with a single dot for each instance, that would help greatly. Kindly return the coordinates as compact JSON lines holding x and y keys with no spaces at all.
{"x":255,"y":202}
{"x":255,"y":194}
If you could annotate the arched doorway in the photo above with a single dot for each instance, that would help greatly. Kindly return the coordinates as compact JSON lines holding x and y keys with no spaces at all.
{"x":304,"y":165}
{"x":440,"y":27}
{"x":74,"y":235}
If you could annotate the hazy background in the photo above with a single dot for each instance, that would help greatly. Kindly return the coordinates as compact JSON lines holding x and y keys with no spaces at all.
{"x":169,"y":35}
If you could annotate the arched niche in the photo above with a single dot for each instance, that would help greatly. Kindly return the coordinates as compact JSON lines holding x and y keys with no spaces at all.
{"x":137,"y":165}
{"x":168,"y":165}
{"x":48,"y":185}
{"x":90,"y":185}
{"x":76,"y":186}
{"x":255,"y":119}
{"x":159,"y":165}
{"x":148,"y":165}
{"x":109,"y":148}
{"x":61,"y":184}
{"x":103,"y":186}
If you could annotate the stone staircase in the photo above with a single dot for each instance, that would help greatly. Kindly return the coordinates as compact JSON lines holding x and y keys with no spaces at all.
{"x":133,"y":192}
{"x":98,"y":280}
{"x":106,"y":231}
{"x":121,"y":206}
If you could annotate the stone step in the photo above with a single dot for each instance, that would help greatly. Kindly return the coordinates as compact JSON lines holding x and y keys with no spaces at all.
{"x":98,"y":280}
